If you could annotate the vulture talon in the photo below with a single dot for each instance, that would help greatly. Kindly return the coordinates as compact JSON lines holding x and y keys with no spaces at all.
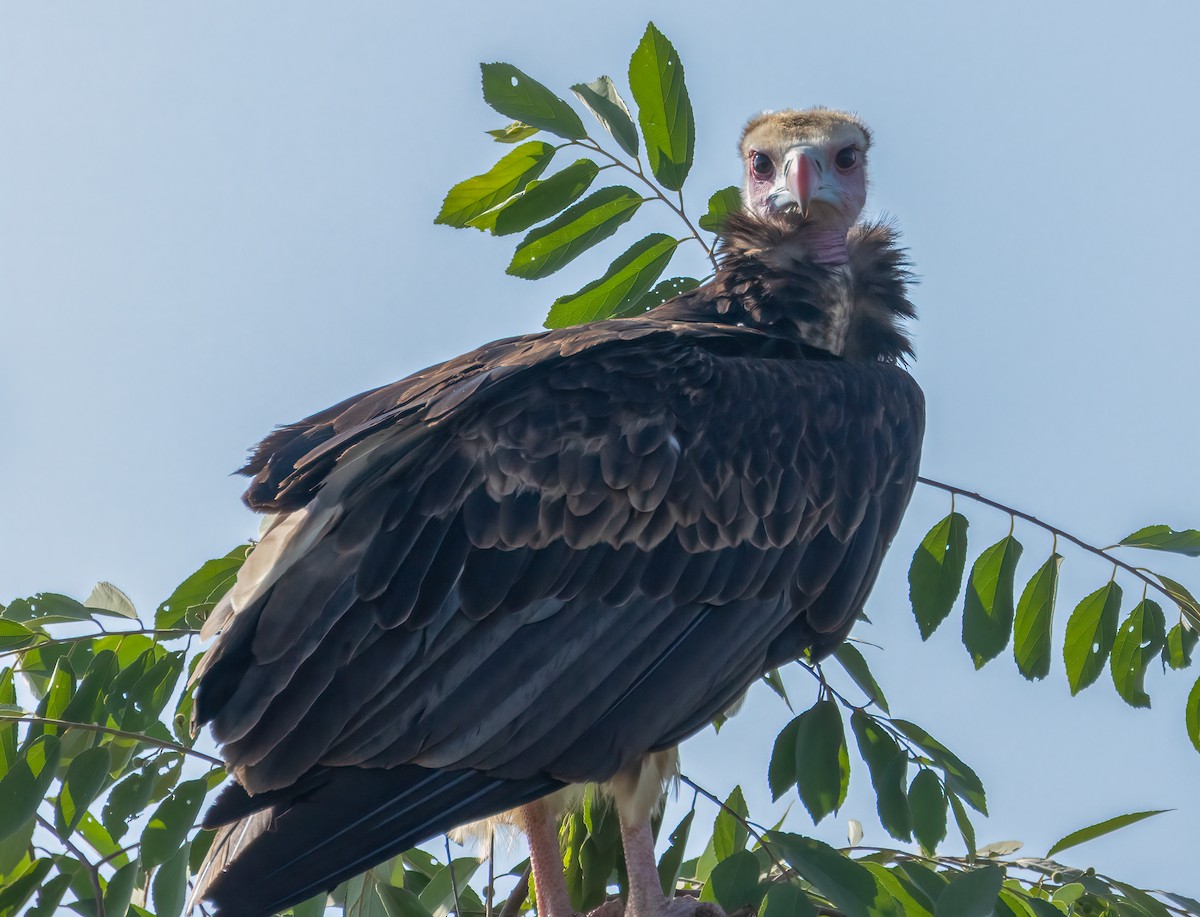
{"x":552,"y":559}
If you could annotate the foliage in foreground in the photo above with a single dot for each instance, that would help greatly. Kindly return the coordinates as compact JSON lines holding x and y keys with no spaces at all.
{"x":101,"y":785}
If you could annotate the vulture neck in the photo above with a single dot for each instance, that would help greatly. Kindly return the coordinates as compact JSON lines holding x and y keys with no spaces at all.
{"x":788,"y":281}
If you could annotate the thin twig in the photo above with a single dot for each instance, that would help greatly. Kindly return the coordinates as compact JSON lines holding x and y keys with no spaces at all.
{"x":170,"y":634}
{"x":453,"y":879}
{"x":93,"y":871}
{"x":120,"y":733}
{"x":750,"y":829}
{"x":1057,"y":532}
{"x":512,"y":906}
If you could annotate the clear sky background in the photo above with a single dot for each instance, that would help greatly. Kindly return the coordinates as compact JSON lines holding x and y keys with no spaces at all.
{"x":217,"y":217}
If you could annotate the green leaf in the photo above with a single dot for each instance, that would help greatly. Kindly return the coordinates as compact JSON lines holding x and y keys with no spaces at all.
{"x":171,"y":822}
{"x":988,"y":615}
{"x":47,"y":608}
{"x":785,"y":899}
{"x":195,"y":597}
{"x":822,"y":763}
{"x":14,"y":636}
{"x":1165,"y":538}
{"x":108,"y":599}
{"x":521,"y":97}
{"x":438,"y":895}
{"x":860,"y":673}
{"x":720,"y":205}
{"x":965,"y":828}
{"x":86,"y":704}
{"x":1191,"y":715}
{"x":1181,"y":641}
{"x":119,"y":892}
{"x":781,"y":773}
{"x":126,"y":800}
{"x":734,"y":881}
{"x":1185,"y":600}
{"x":972,"y":894}
{"x":658,"y":294}
{"x":1100,"y":829}
{"x":399,"y":902}
{"x":540,"y":200}
{"x":935,"y":575}
{"x":626,"y":280}
{"x":601,"y":98}
{"x":928,"y":804}
{"x":85,"y":779}
{"x":169,"y":889}
{"x":959,"y":777}
{"x":1032,"y":629}
{"x":664,"y":110}
{"x":1090,"y":633}
{"x":928,"y":884}
{"x":906,"y":897}
{"x":24,"y":785}
{"x":592,"y":220}
{"x":513,"y":132}
{"x":887,"y":764}
{"x":1139,"y":640}
{"x":672,"y":859}
{"x":476,"y":195}
{"x":21,"y":887}
{"x":847,"y":884}
{"x":729,"y":831}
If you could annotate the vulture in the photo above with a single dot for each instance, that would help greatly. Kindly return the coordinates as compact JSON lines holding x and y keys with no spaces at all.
{"x":550,"y":560}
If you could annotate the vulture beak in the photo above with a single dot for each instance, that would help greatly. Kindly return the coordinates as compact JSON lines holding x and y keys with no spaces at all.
{"x":802,"y":176}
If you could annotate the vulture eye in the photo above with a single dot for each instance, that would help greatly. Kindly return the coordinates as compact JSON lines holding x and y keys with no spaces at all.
{"x":761,"y":165}
{"x":846,"y":158}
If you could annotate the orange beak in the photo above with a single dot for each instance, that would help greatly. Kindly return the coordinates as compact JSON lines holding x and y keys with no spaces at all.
{"x":803,"y":178}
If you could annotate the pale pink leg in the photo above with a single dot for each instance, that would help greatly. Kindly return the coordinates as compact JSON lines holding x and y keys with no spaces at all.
{"x":545,"y":859}
{"x":646,"y":898}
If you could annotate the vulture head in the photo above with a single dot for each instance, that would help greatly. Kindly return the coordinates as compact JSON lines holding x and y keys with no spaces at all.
{"x":807,"y":171}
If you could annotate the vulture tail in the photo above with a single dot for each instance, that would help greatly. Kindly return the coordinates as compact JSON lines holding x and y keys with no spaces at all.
{"x":281,"y":847}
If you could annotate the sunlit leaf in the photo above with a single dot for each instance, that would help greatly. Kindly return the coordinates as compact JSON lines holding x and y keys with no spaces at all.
{"x":1183,"y":598}
{"x":14,"y":636}
{"x":1139,"y":640}
{"x":20,"y":887}
{"x":513,"y":132}
{"x":592,"y":220}
{"x":729,"y":829}
{"x":972,"y":893}
{"x":850,"y":886}
{"x":522,"y":98}
{"x":1165,"y":538}
{"x":626,"y":280}
{"x":856,"y":667}
{"x":928,"y":804}
{"x":657,"y":295}
{"x":1192,"y":714}
{"x":108,"y":599}
{"x":171,"y":821}
{"x":1091,"y":630}
{"x":476,"y":195}
{"x":988,"y":613}
{"x":46,"y":608}
{"x":1100,"y":829}
{"x":887,"y":765}
{"x":1032,"y":628}
{"x":1181,"y":641}
{"x":26,"y":782}
{"x":936,"y":573}
{"x":192,"y":600}
{"x":541,"y":200}
{"x":83,"y":782}
{"x":669,"y":863}
{"x":720,"y":205}
{"x":601,"y":98}
{"x":664,"y":110}
{"x":438,"y":895}
{"x":960,"y":778}
{"x":822,"y":762}
{"x":908,"y":900}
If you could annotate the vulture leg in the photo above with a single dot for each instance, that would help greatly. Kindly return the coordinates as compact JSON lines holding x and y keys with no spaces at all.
{"x":540,"y":825}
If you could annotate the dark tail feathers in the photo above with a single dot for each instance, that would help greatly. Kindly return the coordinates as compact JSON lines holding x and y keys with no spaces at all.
{"x":279,"y":848}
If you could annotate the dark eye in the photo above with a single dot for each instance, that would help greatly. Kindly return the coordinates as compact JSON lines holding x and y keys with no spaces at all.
{"x":846,"y":158}
{"x":762,"y":166}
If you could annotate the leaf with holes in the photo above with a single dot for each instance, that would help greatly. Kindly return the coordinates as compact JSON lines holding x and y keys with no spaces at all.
{"x":1139,"y":640}
{"x":1032,"y":627}
{"x":601,"y":98}
{"x":513,"y":132}
{"x":936,"y":573}
{"x":171,"y":821}
{"x":192,"y":600}
{"x":464,"y":202}
{"x":656,"y":296}
{"x":574,"y":231}
{"x":720,"y":205}
{"x":626,"y":280}
{"x":664,"y":110}
{"x":822,"y":762}
{"x":1164,"y":538}
{"x":988,"y":614}
{"x":1091,"y":630}
{"x":519,"y":96}
{"x":540,"y":200}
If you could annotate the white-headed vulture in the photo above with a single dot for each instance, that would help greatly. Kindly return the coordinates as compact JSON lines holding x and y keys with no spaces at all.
{"x":550,"y":560}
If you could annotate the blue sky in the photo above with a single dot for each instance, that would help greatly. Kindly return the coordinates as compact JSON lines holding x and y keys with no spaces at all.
{"x":215,"y":218}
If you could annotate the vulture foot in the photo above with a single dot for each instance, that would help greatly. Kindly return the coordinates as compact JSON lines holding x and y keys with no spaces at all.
{"x":688,"y":906}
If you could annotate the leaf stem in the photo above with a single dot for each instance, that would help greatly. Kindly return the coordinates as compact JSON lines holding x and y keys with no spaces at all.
{"x":1054,"y":530}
